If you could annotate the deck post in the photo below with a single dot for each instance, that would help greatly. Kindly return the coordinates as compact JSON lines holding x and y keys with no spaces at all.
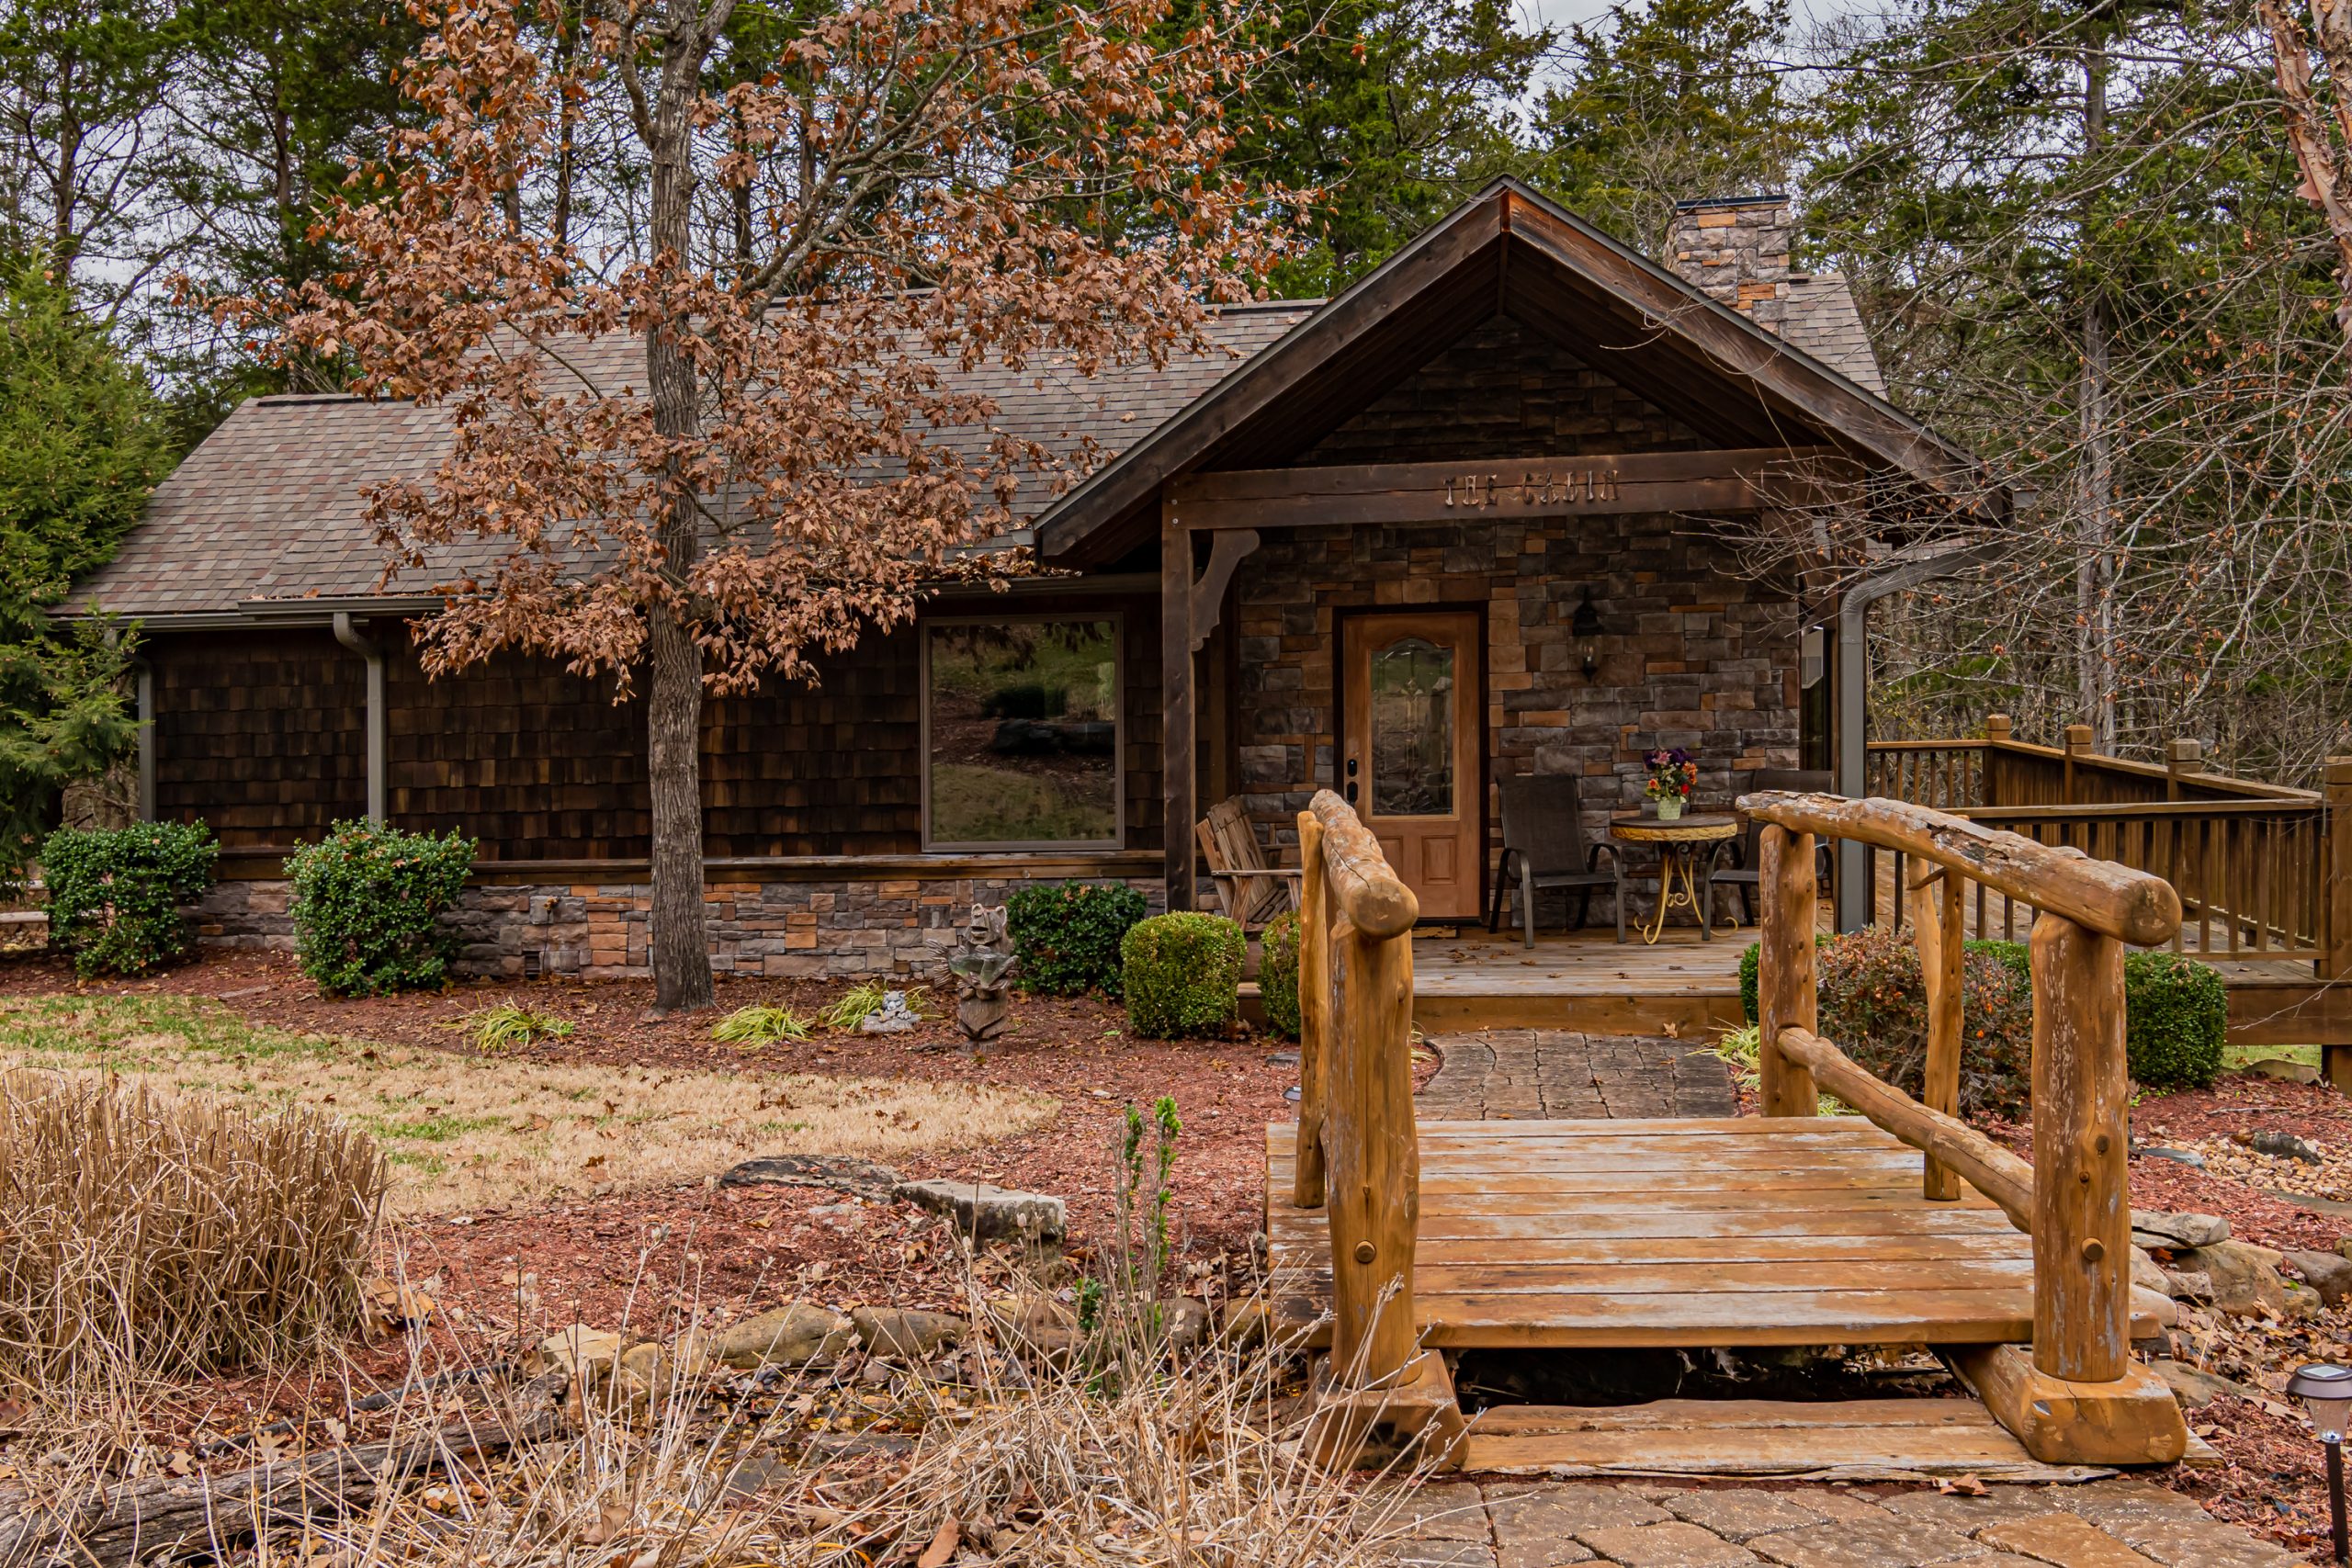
{"x":2337,"y":858}
{"x":1936,"y":925}
{"x":1997,"y":735}
{"x":1176,"y":707}
{"x":2082,"y":1230}
{"x":1785,"y":997}
{"x":1314,"y":1014}
{"x":2078,"y":744}
{"x":1374,"y":1202}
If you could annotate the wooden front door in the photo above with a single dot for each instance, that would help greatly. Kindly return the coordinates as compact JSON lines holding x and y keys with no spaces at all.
{"x":1410,"y":765}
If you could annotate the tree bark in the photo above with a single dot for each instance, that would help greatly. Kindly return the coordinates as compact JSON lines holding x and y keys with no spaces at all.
{"x":681,"y":945}
{"x":2095,"y":544}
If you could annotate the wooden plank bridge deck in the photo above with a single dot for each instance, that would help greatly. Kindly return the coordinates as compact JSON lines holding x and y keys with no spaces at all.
{"x":1725,"y":1231}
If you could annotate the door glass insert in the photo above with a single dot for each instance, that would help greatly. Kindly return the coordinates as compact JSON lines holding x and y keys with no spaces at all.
{"x":1412,"y":730}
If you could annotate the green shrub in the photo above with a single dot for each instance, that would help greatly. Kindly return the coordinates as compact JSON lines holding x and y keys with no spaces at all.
{"x":2175,"y":1019}
{"x":1278,"y":974}
{"x":1874,"y":1005}
{"x":1183,"y":975}
{"x":2176,"y":1013}
{"x":1750,"y":1008}
{"x":115,"y":894}
{"x":507,"y":1027}
{"x":1068,"y":936}
{"x":367,"y":904}
{"x":762,"y":1024}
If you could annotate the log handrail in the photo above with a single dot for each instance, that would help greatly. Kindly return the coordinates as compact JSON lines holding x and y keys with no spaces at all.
{"x":2073,"y":1199}
{"x":2115,"y":900}
{"x":1358,"y":1151}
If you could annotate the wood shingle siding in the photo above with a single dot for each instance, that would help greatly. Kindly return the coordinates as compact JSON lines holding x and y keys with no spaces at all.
{"x":259,"y":734}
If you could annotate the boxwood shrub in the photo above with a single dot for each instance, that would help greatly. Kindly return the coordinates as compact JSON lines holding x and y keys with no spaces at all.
{"x":1068,"y":936}
{"x":2175,"y":1010}
{"x":1278,"y":974}
{"x":367,"y":904}
{"x":1183,"y":975}
{"x":115,"y":894}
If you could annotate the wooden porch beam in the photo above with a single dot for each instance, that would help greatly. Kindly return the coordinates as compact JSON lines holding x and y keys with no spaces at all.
{"x":1742,"y":480}
{"x":1176,"y":707}
{"x":1227,"y":551}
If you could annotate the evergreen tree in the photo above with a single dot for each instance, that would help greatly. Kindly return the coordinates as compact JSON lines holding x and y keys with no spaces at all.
{"x":1670,"y":101}
{"x":80,"y":445}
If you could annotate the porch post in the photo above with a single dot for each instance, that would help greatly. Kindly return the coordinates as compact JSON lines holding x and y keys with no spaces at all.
{"x":1176,"y":704}
{"x":2336,"y":966}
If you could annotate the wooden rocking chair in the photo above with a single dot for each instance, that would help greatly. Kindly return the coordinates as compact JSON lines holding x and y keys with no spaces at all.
{"x":1250,"y":891}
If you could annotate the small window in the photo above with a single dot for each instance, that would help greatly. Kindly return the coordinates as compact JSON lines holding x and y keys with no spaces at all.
{"x":1021,"y":734}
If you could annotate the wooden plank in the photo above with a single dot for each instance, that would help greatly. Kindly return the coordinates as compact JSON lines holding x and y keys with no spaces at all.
{"x":1722,"y":1223}
{"x":1748,"y":1278}
{"x":1724,"y":1415}
{"x":1362,"y":494}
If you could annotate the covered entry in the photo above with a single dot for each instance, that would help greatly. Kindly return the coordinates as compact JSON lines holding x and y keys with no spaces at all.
{"x":1528,"y":452}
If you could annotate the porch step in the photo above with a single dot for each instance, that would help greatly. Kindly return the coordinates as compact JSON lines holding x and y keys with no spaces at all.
{"x":1858,"y":1439}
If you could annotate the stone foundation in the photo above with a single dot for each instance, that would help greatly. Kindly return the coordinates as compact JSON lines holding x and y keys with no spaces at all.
{"x":902,"y":927}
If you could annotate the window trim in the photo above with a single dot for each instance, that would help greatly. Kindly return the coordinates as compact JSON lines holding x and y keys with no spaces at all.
{"x":1118,"y":624}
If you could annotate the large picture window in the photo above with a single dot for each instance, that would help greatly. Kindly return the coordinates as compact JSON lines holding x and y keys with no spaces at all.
{"x":1021,"y":733}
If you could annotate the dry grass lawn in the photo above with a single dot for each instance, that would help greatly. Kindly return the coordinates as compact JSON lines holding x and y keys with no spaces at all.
{"x":465,"y":1132}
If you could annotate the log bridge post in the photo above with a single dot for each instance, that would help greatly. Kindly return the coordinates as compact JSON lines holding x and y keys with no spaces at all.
{"x":2078,"y":1398}
{"x":1358,"y":1150}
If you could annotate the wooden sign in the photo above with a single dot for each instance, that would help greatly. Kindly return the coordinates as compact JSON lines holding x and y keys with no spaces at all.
{"x":1374,"y":493}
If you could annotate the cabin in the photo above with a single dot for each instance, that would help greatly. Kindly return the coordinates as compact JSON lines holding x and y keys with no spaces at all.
{"x":1505,"y":510}
{"x":1503,"y":470}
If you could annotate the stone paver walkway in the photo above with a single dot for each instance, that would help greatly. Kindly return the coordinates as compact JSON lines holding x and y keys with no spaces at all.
{"x":2119,"y":1523}
{"x":1532,"y":1074}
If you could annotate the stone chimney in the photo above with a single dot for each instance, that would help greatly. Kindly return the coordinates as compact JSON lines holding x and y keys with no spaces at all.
{"x":1736,"y":249}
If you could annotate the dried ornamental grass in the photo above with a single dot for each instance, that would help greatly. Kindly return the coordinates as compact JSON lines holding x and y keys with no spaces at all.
{"x":174,"y":1234}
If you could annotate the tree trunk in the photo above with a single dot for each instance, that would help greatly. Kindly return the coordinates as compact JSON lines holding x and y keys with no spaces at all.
{"x":2095,"y":673}
{"x":674,"y":714}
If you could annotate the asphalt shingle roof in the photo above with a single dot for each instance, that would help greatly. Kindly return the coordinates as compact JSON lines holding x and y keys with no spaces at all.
{"x":269,"y":506}
{"x":1818,"y":316}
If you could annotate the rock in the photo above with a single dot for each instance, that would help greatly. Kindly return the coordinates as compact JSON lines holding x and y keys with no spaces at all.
{"x":986,"y":1211}
{"x":2155,"y":1304}
{"x":2197,"y":1389}
{"x":2188,"y":1285}
{"x":862,"y":1177}
{"x":2282,"y":1145}
{"x":1291,"y":1093}
{"x":1244,"y":1323}
{"x":2156,"y":1227}
{"x":2329,"y":1273}
{"x":2280,"y":1068}
{"x":2146,"y":1275}
{"x":1038,"y":1324}
{"x":791,"y":1336}
{"x":893,"y":1017}
{"x":577,"y":1351}
{"x":650,"y":1373}
{"x":1188,"y":1323}
{"x":2245,"y":1278}
{"x":2188,"y":1157}
{"x":2302,"y":1302}
{"x":905,"y":1332}
{"x":1282,"y":1059}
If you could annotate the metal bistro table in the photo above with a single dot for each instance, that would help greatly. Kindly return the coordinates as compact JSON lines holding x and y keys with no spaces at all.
{"x":1681,"y":843}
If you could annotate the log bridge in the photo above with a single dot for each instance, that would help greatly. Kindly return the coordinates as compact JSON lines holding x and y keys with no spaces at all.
{"x":1395,"y":1247}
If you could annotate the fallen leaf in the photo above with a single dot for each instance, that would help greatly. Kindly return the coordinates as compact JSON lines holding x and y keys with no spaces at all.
{"x":943,"y":1545}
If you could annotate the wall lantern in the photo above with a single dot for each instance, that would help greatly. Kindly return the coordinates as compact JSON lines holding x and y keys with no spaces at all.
{"x":2326,"y":1394}
{"x":1585,"y":627}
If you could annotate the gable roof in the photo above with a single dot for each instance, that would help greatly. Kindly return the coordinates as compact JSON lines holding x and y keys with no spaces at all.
{"x":267,"y":512}
{"x":1508,"y":250}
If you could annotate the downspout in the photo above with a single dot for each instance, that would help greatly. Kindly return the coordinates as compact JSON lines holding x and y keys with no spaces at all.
{"x":144,"y":679}
{"x":1853,"y":672}
{"x":348,"y":634}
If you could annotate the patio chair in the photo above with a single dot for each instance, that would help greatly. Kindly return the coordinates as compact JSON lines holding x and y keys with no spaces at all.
{"x":1544,"y":838}
{"x":1252,"y":891}
{"x":1745,"y":859}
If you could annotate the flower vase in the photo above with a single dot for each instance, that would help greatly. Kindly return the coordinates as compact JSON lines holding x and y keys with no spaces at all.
{"x":1669,"y":810}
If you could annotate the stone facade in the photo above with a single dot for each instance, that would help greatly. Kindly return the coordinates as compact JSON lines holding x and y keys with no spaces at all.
{"x":1738,"y":252}
{"x":1693,"y":653}
{"x":903,"y":927}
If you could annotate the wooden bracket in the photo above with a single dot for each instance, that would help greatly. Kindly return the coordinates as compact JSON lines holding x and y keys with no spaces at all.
{"x":2133,"y":1420}
{"x":1228,"y":548}
{"x":1415,"y":1409}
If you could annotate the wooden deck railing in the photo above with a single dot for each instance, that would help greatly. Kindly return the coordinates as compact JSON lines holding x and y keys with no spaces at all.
{"x":1358,"y":1151}
{"x":2074,"y":1198}
{"x":2260,"y":868}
